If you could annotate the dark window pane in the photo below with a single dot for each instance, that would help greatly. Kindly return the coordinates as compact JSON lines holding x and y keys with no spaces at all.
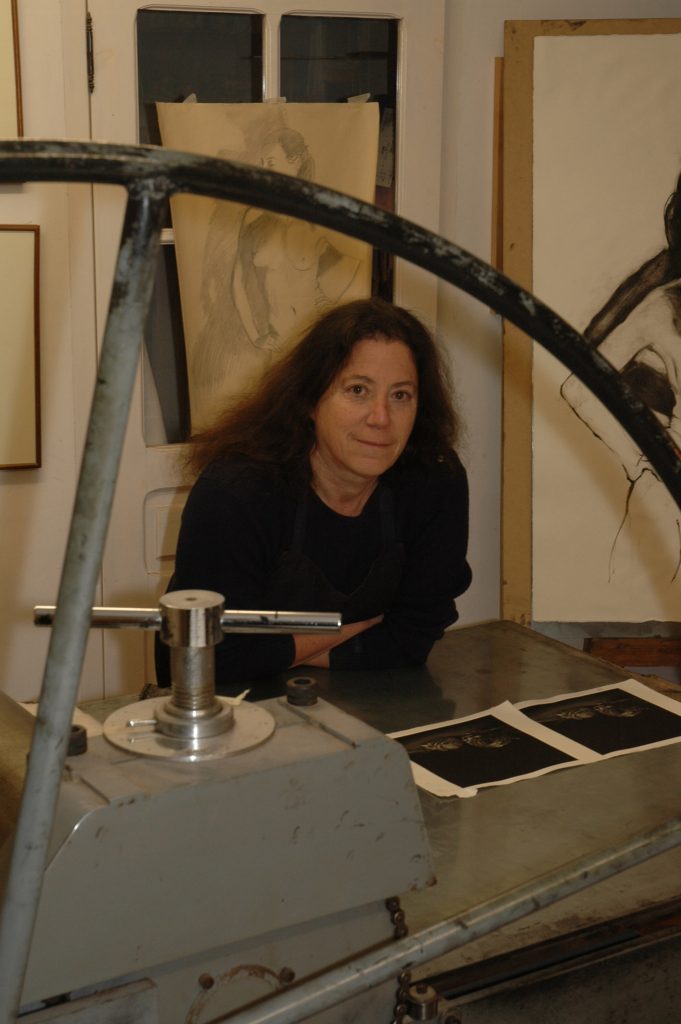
{"x":217,"y":58}
{"x":164,"y":341}
{"x":329,"y":60}
{"x":214,"y":56}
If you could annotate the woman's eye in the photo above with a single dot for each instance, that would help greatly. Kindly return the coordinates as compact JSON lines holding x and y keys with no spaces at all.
{"x":356,"y":389}
{"x":402,"y":396}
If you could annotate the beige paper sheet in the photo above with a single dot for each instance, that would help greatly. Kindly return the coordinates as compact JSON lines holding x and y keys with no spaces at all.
{"x":19,"y":435}
{"x":249,"y":280}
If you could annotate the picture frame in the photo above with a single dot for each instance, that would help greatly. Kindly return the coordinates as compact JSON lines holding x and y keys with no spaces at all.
{"x":11,"y":116}
{"x":20,"y":440}
{"x":545,"y":150}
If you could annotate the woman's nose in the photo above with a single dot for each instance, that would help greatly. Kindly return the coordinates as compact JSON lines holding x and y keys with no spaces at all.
{"x":379,"y":413}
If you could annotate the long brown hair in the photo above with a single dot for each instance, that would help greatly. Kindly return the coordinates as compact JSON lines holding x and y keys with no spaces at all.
{"x":274,"y":424}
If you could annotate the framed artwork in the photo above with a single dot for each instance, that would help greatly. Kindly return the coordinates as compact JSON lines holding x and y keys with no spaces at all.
{"x":11,"y":124}
{"x":19,"y":352}
{"x":251,"y":280}
{"x":591,"y":212}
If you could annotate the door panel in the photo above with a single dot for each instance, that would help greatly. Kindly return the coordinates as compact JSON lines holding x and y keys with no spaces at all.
{"x":151,"y":487}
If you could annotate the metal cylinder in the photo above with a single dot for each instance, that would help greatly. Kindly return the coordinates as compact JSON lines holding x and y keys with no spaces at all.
{"x":191,"y":618}
{"x":193,"y":711}
{"x":422,"y":1000}
{"x":191,"y":626}
{"x":192,"y":671}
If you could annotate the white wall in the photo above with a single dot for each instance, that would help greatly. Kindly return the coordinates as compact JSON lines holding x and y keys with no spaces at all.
{"x":35,"y":505}
{"x":474,"y":37}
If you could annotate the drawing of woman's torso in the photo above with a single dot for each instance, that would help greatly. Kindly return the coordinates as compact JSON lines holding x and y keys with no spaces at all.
{"x":290,"y":270}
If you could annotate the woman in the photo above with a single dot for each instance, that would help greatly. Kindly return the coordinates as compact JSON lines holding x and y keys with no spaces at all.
{"x":334,"y":487}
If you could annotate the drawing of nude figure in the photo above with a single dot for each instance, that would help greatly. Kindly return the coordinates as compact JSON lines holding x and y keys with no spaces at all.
{"x":264,"y":275}
{"x":285,"y":268}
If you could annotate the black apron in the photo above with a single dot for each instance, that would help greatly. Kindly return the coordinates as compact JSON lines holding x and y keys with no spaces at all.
{"x":298,"y":583}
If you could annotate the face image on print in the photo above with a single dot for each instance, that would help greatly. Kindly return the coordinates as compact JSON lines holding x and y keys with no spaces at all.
{"x":489,"y":734}
{"x":606,"y":722}
{"x":480,"y":751}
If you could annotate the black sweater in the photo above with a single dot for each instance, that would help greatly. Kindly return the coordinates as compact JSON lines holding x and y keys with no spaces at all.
{"x":239,"y":519}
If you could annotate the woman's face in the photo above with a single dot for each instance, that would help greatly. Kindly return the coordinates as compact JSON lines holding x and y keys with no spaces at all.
{"x":274,"y":158}
{"x":364,"y":419}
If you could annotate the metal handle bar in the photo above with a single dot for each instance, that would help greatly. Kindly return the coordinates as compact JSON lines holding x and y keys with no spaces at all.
{"x":231,"y":621}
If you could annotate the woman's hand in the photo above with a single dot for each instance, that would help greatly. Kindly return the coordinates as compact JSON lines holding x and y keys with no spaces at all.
{"x":314,"y":650}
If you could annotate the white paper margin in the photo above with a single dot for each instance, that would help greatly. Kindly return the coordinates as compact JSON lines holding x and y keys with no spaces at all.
{"x":509,"y":715}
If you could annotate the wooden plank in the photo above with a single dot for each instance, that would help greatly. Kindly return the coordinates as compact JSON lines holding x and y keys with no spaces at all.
{"x":653,"y":650}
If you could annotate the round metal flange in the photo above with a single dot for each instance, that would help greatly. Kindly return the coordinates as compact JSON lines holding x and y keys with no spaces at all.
{"x":194,"y":724}
{"x":135,"y":728}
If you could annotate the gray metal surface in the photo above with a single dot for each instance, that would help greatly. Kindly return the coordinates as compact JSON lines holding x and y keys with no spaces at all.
{"x":535,"y":842}
{"x":504,"y":840}
{"x":373,"y":968}
{"x":507,"y":835}
{"x":531,"y":826}
{"x":639,"y":986}
{"x":135,"y":729}
{"x":176,"y":861}
{"x":132,"y":1004}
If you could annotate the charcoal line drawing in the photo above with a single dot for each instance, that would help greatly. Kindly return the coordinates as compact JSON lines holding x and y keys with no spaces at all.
{"x":639,"y":331}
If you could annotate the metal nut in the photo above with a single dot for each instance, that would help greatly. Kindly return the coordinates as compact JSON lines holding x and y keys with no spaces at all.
{"x":423,"y":1001}
{"x":301,"y":691}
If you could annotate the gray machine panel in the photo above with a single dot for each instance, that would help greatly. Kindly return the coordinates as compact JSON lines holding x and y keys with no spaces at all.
{"x":157,"y":861}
